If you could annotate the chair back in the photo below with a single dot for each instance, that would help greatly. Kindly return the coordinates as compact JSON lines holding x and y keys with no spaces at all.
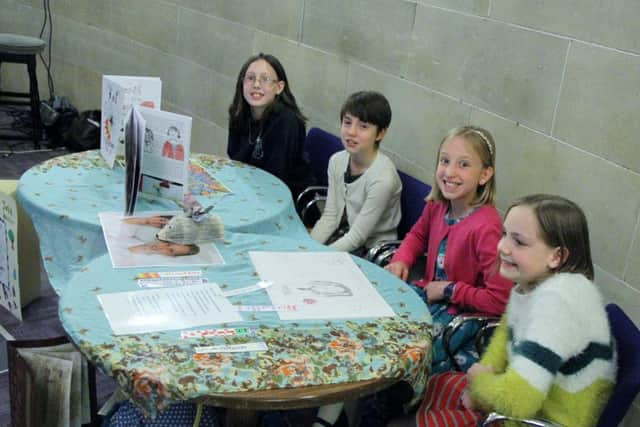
{"x":320,"y":145}
{"x":412,"y":202}
{"x":627,"y":338}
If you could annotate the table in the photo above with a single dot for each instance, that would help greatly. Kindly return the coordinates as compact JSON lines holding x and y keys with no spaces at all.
{"x":64,"y":195}
{"x":334,"y":358}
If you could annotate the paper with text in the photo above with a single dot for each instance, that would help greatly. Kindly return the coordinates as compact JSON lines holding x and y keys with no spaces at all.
{"x":151,"y":310}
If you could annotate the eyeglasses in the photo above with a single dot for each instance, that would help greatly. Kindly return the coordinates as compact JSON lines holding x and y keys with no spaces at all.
{"x":263,"y":80}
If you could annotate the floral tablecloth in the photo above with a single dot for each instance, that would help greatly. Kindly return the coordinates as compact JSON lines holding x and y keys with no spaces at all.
{"x":64,"y":195}
{"x":158,"y":369}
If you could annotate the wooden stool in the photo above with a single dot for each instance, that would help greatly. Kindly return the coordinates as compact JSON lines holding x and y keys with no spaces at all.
{"x":18,"y":49}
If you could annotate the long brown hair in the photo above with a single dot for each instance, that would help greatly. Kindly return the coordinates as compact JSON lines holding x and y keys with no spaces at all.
{"x":240,"y":111}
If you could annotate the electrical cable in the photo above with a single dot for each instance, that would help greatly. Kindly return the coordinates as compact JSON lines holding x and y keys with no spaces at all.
{"x":46,"y":5}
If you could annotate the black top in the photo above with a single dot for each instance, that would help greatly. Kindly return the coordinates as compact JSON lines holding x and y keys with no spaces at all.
{"x":275,"y":145}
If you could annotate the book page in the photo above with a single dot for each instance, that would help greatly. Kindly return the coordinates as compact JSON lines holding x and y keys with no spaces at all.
{"x":119,"y":94}
{"x":167,"y":146}
{"x":50,"y":389}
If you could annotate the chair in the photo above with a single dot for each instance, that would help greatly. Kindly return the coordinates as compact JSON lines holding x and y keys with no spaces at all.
{"x":18,"y":49}
{"x":627,"y":336}
{"x":21,"y":383}
{"x":486,"y":325}
{"x":412,"y":202}
{"x":319,"y":145}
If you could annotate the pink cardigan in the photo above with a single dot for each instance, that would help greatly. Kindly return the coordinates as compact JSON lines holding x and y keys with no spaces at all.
{"x":470,"y":259}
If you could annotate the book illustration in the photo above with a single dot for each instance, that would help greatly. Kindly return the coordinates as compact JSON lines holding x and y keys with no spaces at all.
{"x":9,"y":271}
{"x":327,"y":289}
{"x":202,"y":183}
{"x":119,"y":94}
{"x":157,"y":146}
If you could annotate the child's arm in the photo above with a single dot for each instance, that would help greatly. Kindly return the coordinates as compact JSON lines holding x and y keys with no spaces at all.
{"x":330,"y":219}
{"x":379,"y":192}
{"x":492,"y":294}
{"x":414,"y":243}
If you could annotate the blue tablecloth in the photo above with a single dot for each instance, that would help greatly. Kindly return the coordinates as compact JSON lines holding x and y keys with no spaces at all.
{"x":158,"y":369}
{"x":64,"y":195}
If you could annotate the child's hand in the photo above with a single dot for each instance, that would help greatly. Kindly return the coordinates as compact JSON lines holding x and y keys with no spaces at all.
{"x":466,"y":401}
{"x":435,"y":290}
{"x":399,"y":269}
{"x":477,"y":368}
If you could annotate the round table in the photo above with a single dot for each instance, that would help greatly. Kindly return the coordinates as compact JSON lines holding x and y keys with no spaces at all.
{"x":64,"y":195}
{"x":307,"y":363}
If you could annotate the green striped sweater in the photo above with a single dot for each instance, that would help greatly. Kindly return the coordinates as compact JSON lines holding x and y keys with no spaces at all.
{"x":553,"y":355}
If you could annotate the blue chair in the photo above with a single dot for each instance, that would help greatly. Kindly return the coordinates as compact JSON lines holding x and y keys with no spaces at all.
{"x":319,"y":146}
{"x":627,"y":336}
{"x":412,"y":202}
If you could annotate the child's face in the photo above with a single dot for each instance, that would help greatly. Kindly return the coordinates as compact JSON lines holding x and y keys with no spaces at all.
{"x":524,"y":257}
{"x":260,"y":86}
{"x":460,"y":171}
{"x":359,"y":137}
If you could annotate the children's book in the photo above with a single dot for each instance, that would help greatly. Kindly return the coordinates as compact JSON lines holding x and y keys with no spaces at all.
{"x":9,"y":278}
{"x":157,"y":147}
{"x":56,"y":385}
{"x":119,"y":94}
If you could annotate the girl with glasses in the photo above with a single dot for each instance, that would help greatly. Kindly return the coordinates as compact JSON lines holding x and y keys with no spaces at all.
{"x":266,"y":127}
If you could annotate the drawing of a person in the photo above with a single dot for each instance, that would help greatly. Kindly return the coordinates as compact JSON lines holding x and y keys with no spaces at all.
{"x":173,"y":135}
{"x":148,"y":140}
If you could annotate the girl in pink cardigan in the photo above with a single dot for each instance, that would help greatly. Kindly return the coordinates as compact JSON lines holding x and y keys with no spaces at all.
{"x":459,"y":229}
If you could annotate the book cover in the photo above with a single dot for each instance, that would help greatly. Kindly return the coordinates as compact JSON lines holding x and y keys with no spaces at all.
{"x":119,"y":94}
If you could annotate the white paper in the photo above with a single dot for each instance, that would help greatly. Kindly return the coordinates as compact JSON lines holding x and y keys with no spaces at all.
{"x":233,"y":348}
{"x":167,"y":145}
{"x":119,"y":94}
{"x":132,"y":244}
{"x":153,"y":310}
{"x":321,"y":285}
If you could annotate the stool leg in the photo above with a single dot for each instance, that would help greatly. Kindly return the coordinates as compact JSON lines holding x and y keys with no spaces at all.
{"x":35,"y":102}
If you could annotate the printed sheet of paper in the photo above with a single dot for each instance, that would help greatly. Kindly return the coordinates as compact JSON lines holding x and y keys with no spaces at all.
{"x":9,"y":277}
{"x":151,"y":310}
{"x":132,"y":242}
{"x":119,"y":94}
{"x":322,"y":285}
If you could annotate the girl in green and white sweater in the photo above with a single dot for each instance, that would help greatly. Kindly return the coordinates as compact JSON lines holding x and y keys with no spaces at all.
{"x":553,"y":355}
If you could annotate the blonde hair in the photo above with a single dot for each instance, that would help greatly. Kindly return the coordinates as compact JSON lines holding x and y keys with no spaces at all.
{"x":482,"y":143}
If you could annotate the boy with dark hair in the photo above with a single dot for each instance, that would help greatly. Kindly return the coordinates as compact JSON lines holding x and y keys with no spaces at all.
{"x":363,"y":199}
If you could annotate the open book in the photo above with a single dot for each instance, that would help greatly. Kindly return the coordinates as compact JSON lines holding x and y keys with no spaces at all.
{"x":157,"y":148}
{"x":49,"y":385}
{"x":119,"y":94}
